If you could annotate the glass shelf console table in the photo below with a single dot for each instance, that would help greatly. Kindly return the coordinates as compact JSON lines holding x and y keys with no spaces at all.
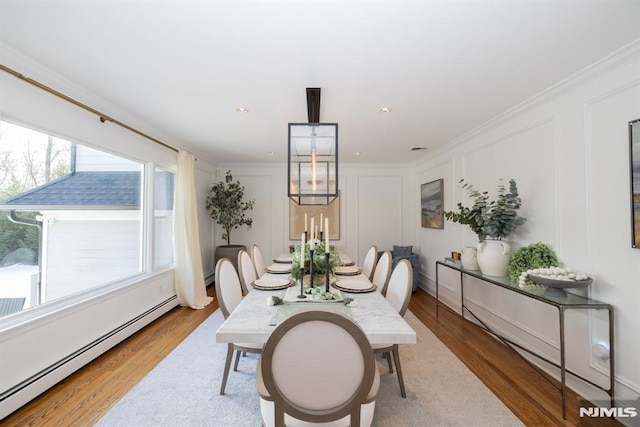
{"x":570,"y":302}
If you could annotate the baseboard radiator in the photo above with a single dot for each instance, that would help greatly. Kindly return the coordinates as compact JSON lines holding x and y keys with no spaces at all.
{"x":23,"y":392}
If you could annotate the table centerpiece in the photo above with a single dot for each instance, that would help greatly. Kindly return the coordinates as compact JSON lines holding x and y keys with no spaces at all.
{"x":317,"y":264}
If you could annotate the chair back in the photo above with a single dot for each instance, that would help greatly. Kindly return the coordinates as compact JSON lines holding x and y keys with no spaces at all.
{"x":246,"y":270}
{"x":323,"y":349}
{"x":258,"y":261}
{"x":399,"y":287}
{"x":228,"y":287}
{"x":369,"y":263}
{"x":382,"y":272}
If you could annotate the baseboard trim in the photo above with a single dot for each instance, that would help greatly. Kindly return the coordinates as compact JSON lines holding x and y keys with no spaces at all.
{"x":21,"y":393}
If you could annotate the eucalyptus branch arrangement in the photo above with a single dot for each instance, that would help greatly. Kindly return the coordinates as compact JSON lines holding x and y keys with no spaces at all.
{"x":495,"y":219}
{"x":318,"y":259}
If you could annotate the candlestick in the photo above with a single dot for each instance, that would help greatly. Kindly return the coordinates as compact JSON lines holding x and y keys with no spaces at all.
{"x":327,"y":271}
{"x":302,"y":295}
{"x":301,"y":271}
{"x":311,"y":251}
{"x":326,"y":241}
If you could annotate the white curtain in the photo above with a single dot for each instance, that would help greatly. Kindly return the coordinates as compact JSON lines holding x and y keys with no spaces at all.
{"x":189,"y":276}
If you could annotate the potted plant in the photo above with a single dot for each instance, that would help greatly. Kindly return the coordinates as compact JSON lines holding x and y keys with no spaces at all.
{"x":226,"y":207}
{"x":535,"y":255}
{"x":492,"y":221}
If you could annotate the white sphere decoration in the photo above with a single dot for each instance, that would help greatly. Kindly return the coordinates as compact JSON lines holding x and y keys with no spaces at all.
{"x":554,"y":273}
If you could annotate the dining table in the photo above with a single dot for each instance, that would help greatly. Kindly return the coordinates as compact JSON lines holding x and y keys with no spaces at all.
{"x":255,"y":318}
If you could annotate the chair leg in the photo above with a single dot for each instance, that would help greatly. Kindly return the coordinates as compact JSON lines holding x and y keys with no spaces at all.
{"x":235,"y":365}
{"x":227,"y":365}
{"x":396,"y":359}
{"x":387,"y":356}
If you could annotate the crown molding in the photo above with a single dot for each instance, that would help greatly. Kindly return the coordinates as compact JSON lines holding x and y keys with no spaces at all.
{"x":609,"y":63}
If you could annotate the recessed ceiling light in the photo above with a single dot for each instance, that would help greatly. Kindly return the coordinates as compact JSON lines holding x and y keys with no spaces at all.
{"x":356,"y":153}
{"x":384,"y":110}
{"x":271,"y":153}
{"x":242,"y":110}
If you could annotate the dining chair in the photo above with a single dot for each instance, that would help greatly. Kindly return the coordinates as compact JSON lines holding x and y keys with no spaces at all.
{"x":369,"y":263}
{"x":229,"y":294}
{"x":246,"y":271}
{"x":398,"y":295}
{"x":258,"y":260}
{"x":382,"y":272}
{"x":317,"y":367}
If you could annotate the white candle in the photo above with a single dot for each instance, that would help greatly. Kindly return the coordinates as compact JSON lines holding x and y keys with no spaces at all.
{"x":326,"y":235}
{"x":313,"y":221}
{"x":315,"y":236}
{"x":321,"y":222}
{"x":305,"y":222}
{"x":302,"y":251}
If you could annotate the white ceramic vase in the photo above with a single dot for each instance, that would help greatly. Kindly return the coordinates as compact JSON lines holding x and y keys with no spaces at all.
{"x":493,"y":257}
{"x":469,"y":258}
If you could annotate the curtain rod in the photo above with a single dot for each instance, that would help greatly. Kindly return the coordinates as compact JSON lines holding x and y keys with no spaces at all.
{"x":103,"y":117}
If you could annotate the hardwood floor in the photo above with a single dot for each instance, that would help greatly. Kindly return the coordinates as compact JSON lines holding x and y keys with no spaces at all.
{"x":84,"y":397}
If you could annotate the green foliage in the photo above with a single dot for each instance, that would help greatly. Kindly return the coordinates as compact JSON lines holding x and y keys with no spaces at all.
{"x":490,"y":218}
{"x":18,"y":236}
{"x":319,"y":265}
{"x":226,"y":207}
{"x":536,"y":255}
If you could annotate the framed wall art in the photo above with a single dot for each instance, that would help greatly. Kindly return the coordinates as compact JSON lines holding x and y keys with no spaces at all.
{"x":297,"y":218}
{"x":634,"y":156}
{"x":431,"y":204}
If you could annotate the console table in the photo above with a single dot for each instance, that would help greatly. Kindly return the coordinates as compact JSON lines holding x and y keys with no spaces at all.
{"x":561,"y":303}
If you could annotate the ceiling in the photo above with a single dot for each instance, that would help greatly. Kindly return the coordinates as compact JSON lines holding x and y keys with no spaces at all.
{"x":444,"y":67}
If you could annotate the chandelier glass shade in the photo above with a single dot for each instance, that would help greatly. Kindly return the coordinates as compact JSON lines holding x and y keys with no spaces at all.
{"x":313,"y":163}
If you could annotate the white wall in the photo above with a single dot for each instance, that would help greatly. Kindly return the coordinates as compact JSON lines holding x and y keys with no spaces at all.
{"x":568,"y":150}
{"x":377,"y":206}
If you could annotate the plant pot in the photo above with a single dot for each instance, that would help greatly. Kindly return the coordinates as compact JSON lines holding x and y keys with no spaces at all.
{"x":493,"y":257}
{"x":469,"y":258}
{"x":230,"y":252}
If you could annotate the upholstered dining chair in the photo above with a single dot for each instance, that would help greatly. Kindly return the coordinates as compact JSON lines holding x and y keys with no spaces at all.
{"x":398,"y":295}
{"x":317,"y":367}
{"x":258,"y":260}
{"x":246,"y":270}
{"x":382,"y":272}
{"x":369,"y":263}
{"x":229,"y":294}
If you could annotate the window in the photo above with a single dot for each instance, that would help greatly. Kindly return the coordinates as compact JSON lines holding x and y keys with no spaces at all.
{"x":163,"y":218}
{"x":71,"y":217}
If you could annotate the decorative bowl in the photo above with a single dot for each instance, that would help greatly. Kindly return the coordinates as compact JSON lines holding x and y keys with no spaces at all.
{"x":556,"y":288}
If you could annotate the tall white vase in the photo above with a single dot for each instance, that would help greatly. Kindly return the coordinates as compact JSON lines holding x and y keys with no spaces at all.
{"x":493,"y":257}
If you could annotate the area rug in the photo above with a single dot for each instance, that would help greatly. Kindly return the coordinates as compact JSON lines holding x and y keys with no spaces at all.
{"x":183,"y":390}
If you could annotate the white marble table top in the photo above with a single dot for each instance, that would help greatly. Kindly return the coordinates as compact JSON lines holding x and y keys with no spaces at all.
{"x":250,"y":321}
